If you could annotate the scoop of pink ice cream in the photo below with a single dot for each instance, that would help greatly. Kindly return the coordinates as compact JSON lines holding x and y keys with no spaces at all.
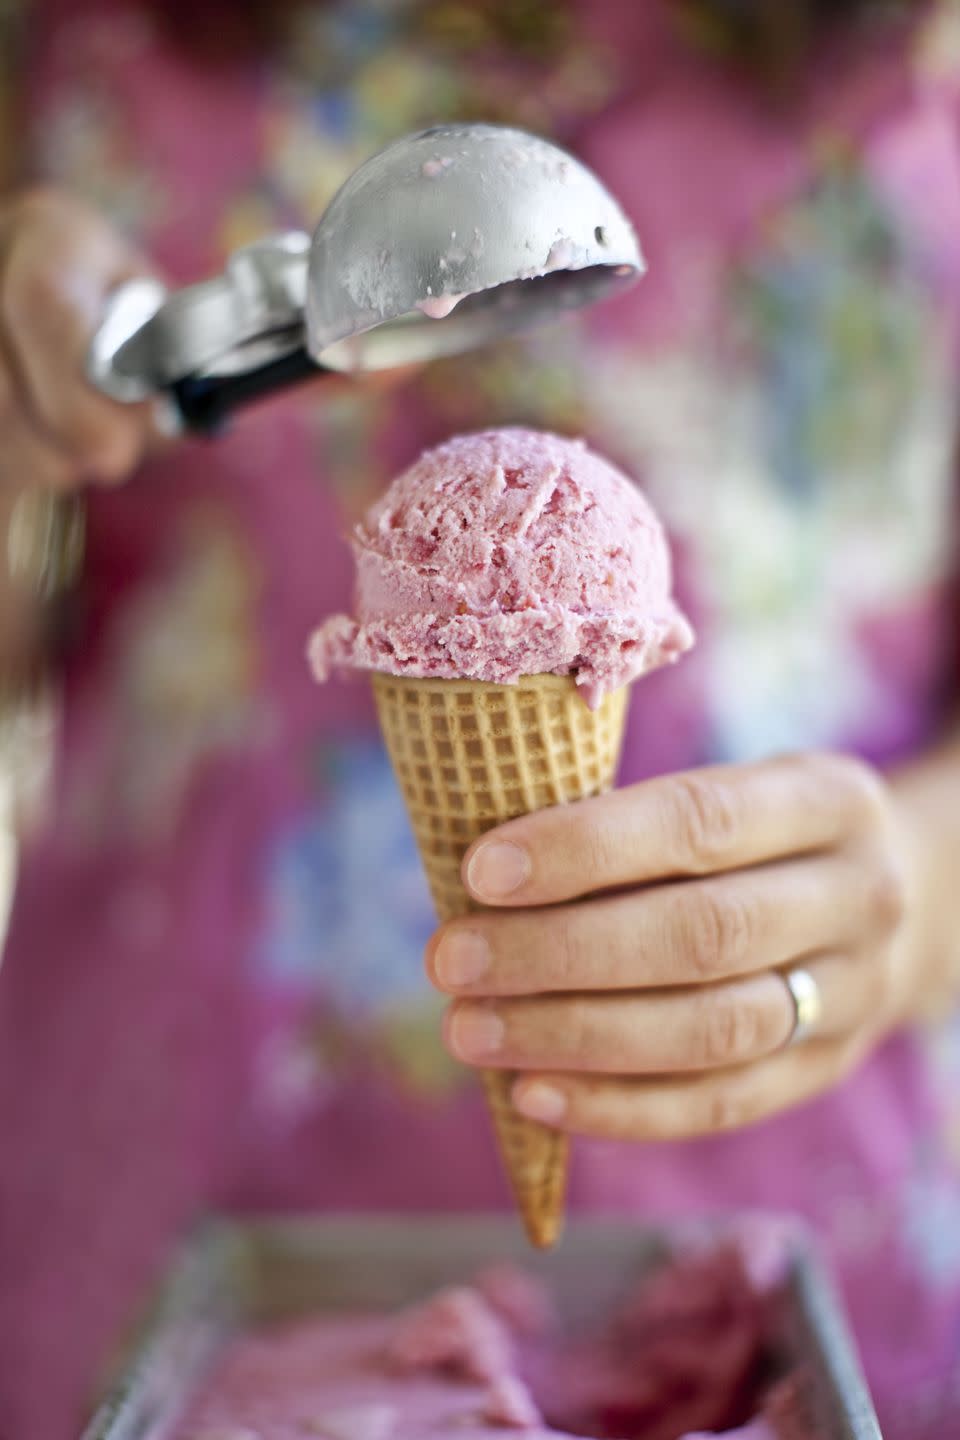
{"x":456,"y":1330}
{"x":509,"y":553}
{"x":520,"y":1299}
{"x":509,"y":1403}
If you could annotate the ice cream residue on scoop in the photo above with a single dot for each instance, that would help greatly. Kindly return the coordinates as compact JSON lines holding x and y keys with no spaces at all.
{"x":438,"y":307}
{"x":509,"y":553}
{"x":435,"y":166}
{"x":561,"y":254}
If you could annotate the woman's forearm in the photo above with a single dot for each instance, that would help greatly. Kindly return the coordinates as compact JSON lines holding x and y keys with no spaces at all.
{"x":928,"y":793}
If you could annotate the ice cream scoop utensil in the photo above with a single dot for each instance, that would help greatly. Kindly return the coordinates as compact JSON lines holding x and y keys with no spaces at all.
{"x":443,"y":241}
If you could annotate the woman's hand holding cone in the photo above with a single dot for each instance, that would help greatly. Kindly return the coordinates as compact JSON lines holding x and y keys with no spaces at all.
{"x":632,"y":964}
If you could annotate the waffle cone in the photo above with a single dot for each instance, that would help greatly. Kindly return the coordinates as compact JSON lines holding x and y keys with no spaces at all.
{"x":467,"y":756}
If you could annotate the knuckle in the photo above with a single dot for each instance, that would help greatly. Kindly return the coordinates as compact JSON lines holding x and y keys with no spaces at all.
{"x":723,"y":1109}
{"x":591,"y":851}
{"x":888,"y":897}
{"x":707,"y":819}
{"x":716,"y":930}
{"x":564,"y":950}
{"x":728,"y":1031}
{"x":580,"y":1043}
{"x":599,"y":1108}
{"x":856,"y":782}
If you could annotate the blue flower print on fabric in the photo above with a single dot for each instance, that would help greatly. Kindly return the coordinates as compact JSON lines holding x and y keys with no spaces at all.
{"x":348,"y":911}
{"x":932,"y":1229}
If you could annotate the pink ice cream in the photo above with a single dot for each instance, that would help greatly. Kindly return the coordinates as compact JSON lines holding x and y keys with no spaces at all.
{"x":509,"y":553}
{"x":687,"y":1355}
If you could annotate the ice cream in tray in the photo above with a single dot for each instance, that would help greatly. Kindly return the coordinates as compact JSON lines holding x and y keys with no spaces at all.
{"x":454,"y":1330}
{"x":509,"y":587}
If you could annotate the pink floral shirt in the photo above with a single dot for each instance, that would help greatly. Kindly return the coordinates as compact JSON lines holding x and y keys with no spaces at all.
{"x":212,"y":991}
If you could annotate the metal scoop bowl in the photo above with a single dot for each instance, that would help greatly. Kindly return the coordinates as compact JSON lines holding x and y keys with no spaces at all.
{"x":443,"y":241}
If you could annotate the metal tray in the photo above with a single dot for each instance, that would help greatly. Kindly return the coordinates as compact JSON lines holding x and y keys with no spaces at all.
{"x":235,"y":1274}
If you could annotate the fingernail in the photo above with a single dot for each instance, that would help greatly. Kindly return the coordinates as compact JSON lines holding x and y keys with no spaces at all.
{"x":475,"y":1031}
{"x":540,"y":1101}
{"x":497,"y":869}
{"x":461,"y":958}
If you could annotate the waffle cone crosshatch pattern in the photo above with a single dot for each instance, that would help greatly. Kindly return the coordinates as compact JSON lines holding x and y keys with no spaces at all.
{"x":469,"y":755}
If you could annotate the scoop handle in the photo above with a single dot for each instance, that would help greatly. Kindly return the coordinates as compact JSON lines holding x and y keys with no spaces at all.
{"x":206,"y":402}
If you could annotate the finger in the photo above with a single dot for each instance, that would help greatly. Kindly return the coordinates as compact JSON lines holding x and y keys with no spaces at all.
{"x":53,"y":287}
{"x":696,"y":823}
{"x":27,"y":459}
{"x":679,"y":1109}
{"x":693,"y":933}
{"x":661,"y":1033}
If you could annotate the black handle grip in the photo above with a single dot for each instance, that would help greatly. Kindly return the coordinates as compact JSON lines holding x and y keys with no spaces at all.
{"x":207,"y":402}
